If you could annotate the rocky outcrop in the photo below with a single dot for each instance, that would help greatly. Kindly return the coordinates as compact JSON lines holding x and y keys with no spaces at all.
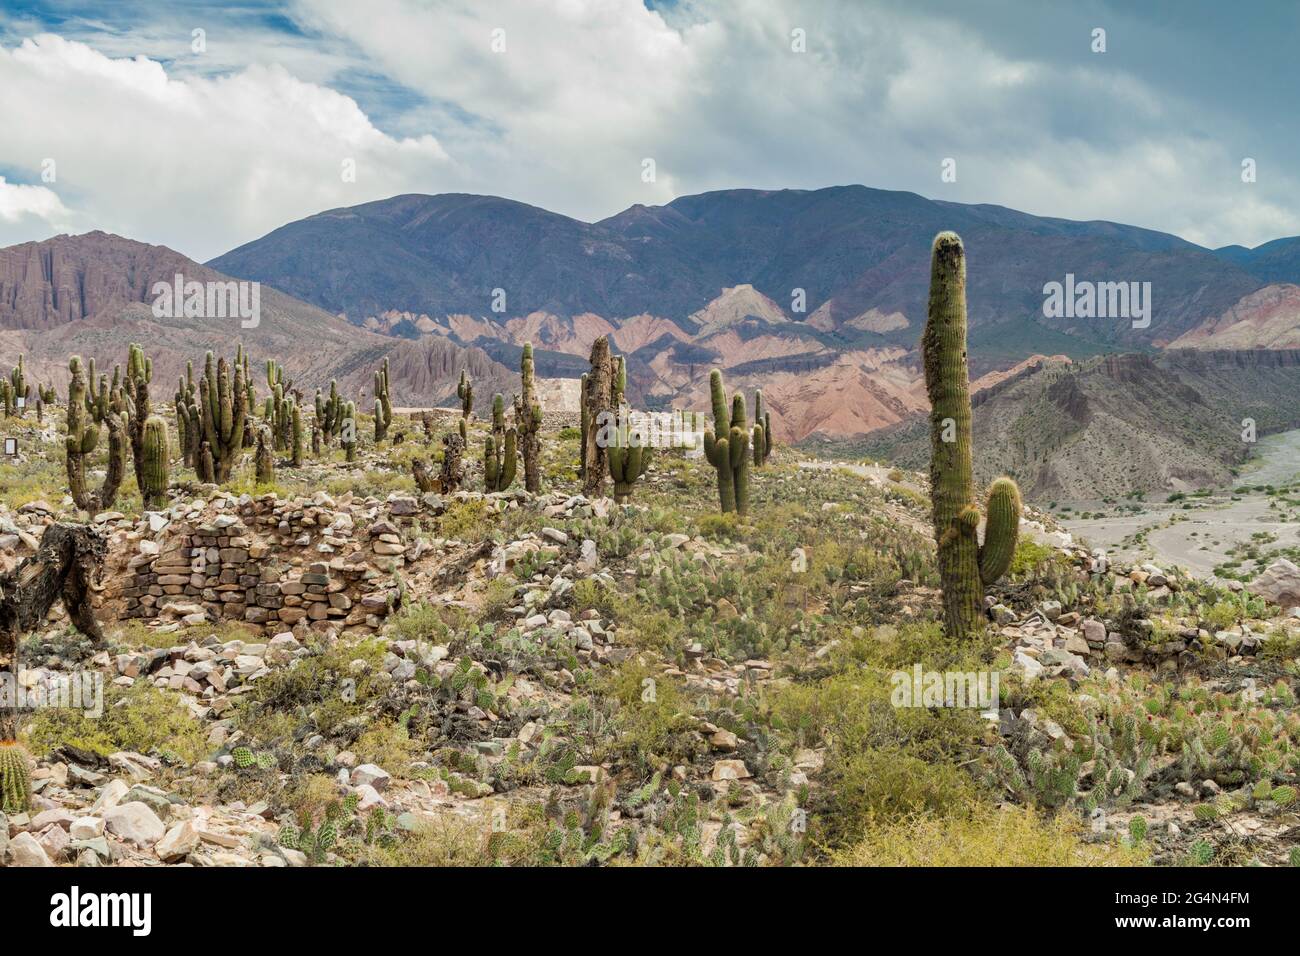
{"x":1279,"y":584}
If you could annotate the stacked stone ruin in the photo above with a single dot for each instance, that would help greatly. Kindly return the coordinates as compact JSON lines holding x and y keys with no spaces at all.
{"x":272,"y":564}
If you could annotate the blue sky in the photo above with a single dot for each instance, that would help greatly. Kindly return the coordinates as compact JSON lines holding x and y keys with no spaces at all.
{"x":116,"y":119}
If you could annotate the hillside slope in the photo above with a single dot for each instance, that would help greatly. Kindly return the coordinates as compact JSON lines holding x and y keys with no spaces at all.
{"x":1119,"y":423}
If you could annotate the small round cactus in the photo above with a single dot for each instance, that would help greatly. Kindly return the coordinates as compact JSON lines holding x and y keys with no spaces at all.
{"x":15,"y":780}
{"x":243,"y":757}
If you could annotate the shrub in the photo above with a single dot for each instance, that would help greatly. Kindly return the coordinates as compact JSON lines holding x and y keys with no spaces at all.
{"x":984,"y":836}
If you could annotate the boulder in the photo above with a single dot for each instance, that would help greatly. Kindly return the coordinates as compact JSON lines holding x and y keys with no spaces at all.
{"x":1279,"y":584}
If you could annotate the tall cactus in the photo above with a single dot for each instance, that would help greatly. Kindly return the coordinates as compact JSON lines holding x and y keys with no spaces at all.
{"x":297,"y":442}
{"x":223,"y":411}
{"x":965,"y":566}
{"x":83,"y":436}
{"x":499,"y":450}
{"x":188,"y":427}
{"x":17,"y":388}
{"x":602,"y":390}
{"x":330,"y":412}
{"x":156,"y":449}
{"x":528,"y":421}
{"x":762,"y":431}
{"x":383,"y":404}
{"x":726,"y":447}
{"x":465,"y":392}
{"x":347,"y":427}
{"x":264,"y":457}
{"x":139,"y":373}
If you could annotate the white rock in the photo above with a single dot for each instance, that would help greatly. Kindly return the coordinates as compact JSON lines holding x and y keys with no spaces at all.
{"x":86,"y":828}
{"x":135,"y":823}
{"x":179,"y":841}
{"x":367,"y":774}
{"x":24,"y":850}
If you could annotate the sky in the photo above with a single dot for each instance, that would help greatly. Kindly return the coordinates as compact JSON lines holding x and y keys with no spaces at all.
{"x":203,"y":125}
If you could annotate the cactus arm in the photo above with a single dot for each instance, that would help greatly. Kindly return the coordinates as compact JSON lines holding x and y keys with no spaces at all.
{"x":1001,"y":530}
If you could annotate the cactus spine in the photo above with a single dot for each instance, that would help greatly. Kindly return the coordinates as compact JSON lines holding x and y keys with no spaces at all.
{"x":15,"y":780}
{"x":499,"y":450}
{"x":156,"y":448}
{"x":726,"y":447}
{"x":82,"y":438}
{"x":383,"y":404}
{"x":965,"y":566}
{"x":528,"y":420}
{"x":223,"y":411}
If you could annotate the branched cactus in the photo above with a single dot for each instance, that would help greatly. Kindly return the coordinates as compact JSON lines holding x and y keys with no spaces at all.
{"x":726,"y":447}
{"x":15,"y":779}
{"x":100,"y":398}
{"x":629,"y":459}
{"x":965,"y":566}
{"x":528,"y":421}
{"x":14,"y":388}
{"x":189,"y":427}
{"x":499,"y":450}
{"x":223,"y":410}
{"x":156,"y":450}
{"x":83,"y":437}
{"x":383,"y":404}
{"x":330,"y":412}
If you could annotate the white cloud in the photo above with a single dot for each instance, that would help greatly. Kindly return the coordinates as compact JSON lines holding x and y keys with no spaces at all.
{"x":200,"y":164}
{"x":204,"y":155}
{"x":20,"y":201}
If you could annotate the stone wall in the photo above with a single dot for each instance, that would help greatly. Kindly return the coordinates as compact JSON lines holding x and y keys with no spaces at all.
{"x":272,"y":563}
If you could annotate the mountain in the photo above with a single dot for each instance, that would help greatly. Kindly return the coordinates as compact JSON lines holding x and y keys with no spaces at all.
{"x":93,"y":294}
{"x":810,"y":294}
{"x":1276,"y":261}
{"x":1119,"y":423}
{"x":1267,"y":318}
{"x":860,"y":256}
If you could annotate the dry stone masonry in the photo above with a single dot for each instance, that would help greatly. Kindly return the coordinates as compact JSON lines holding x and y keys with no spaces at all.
{"x":273,"y":563}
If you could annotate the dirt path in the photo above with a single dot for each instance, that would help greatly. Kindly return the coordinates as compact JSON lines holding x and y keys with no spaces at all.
{"x":1199,"y":538}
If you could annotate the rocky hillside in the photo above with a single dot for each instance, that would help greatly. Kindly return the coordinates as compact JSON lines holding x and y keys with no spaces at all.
{"x":91,"y":295}
{"x":332,"y":668}
{"x":1119,"y":424}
